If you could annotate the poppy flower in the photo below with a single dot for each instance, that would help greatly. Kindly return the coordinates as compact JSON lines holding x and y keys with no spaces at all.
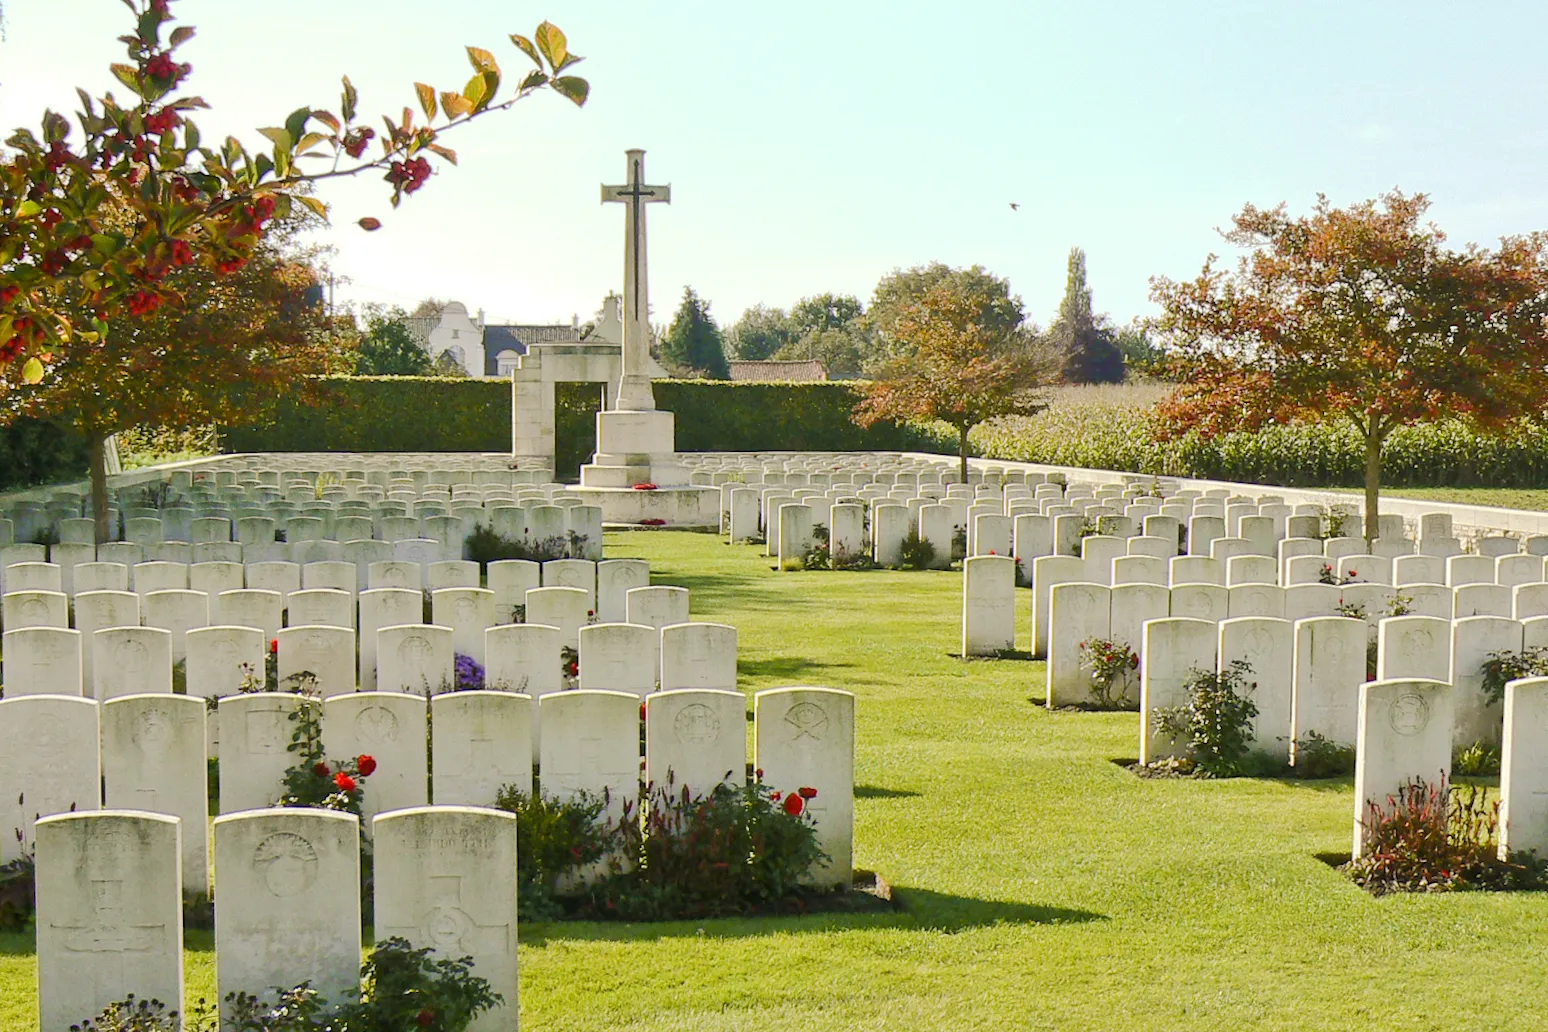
{"x":344,"y":782}
{"x":793,"y":805}
{"x":320,"y":769}
{"x":273,"y":644}
{"x":774,"y":796}
{"x":807,"y":793}
{"x":366,"y":765}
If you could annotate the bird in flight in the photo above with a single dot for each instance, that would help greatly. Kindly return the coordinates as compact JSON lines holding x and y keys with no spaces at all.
{"x":1015,"y":206}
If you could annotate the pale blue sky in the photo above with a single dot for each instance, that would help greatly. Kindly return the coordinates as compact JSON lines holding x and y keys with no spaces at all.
{"x":815,"y":146}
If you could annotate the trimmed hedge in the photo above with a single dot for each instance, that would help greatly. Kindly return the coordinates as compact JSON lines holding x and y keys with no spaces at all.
{"x":393,"y":413}
{"x":35,"y":451}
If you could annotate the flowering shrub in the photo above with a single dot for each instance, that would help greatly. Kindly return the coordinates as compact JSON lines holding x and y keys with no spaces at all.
{"x":554,"y":840}
{"x":468,"y":674}
{"x":917,"y":553}
{"x":1438,"y":838}
{"x":1114,"y":667}
{"x":401,"y":988}
{"x":1216,"y":720}
{"x":312,"y":780}
{"x":569,"y":664}
{"x":1500,"y":668}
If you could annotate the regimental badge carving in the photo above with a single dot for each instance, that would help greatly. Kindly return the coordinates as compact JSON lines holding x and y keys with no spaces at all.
{"x":154,"y":729}
{"x":697,"y":723}
{"x":287,"y":863}
{"x":1410,"y":714}
{"x":377,"y":724}
{"x":807,"y":720}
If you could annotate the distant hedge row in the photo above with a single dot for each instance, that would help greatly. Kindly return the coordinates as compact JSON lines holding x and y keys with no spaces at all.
{"x":33,"y":451}
{"x":390,"y":413}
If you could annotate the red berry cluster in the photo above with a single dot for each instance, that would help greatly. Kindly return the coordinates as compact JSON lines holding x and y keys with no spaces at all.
{"x":144,"y":302}
{"x":355,"y":142}
{"x":409,"y":175}
{"x":162,"y":122}
{"x":182,"y":254}
{"x":230,"y":265}
{"x":164,"y":71}
{"x":58,"y":156}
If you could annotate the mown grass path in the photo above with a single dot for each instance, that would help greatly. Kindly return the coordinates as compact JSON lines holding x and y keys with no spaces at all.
{"x":1043,"y":886}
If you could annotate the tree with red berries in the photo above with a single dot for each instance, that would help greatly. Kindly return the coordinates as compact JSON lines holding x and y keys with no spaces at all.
{"x":92,"y":230}
{"x":1358,"y":314}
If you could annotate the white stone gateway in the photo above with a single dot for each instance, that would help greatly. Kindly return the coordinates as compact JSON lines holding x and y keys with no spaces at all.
{"x":132,"y":661}
{"x":988,"y":605}
{"x":256,"y":731}
{"x":1404,"y":734}
{"x":432,"y":887}
{"x":615,"y":579}
{"x":416,"y":659}
{"x":391,"y":728}
{"x":1523,"y":775}
{"x":50,"y":745}
{"x":590,"y":744}
{"x":482,"y":741}
{"x":1329,"y":669}
{"x":153,"y":759}
{"x":1176,"y":649}
{"x":695,"y":740}
{"x":698,"y":655}
{"x":289,"y":907}
{"x":109,"y":913}
{"x":805,"y":738}
{"x":619,"y":658}
{"x":42,"y":661}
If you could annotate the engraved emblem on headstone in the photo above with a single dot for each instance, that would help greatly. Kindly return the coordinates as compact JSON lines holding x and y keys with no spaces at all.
{"x":807,"y":719}
{"x":33,"y":609}
{"x":266,"y":731}
{"x":697,"y":723}
{"x":154,"y":729}
{"x":131,"y":656}
{"x":377,"y":724}
{"x":287,"y":862}
{"x":108,"y":931}
{"x":1410,"y":714}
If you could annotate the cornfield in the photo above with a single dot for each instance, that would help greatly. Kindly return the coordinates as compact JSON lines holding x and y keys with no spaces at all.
{"x":1110,"y":427}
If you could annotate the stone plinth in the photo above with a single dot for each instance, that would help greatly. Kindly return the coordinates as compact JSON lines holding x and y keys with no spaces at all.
{"x":678,"y":506}
{"x":634,"y":448}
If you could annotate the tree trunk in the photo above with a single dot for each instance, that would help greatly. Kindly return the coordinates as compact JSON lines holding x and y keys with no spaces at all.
{"x":99,"y":493}
{"x":1372,"y":486}
{"x":962,"y":449}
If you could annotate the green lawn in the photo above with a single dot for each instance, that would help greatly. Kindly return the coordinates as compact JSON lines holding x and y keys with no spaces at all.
{"x":1044,"y":887}
{"x":1504,"y":497}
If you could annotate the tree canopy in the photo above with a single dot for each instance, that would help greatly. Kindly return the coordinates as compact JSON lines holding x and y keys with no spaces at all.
{"x":693,"y":345}
{"x":1362,"y":314}
{"x":1085,"y":341}
{"x":387,"y":348}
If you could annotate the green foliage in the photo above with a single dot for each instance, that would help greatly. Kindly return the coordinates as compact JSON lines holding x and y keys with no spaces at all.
{"x":1114,"y":670}
{"x":758,"y":334}
{"x":18,"y":881}
{"x":1438,"y":838}
{"x":1001,"y":311}
{"x":693,"y":342}
{"x":1500,"y":668}
{"x":1317,"y":756}
{"x":389,"y":349}
{"x":133,"y":1015}
{"x":1476,"y":761}
{"x":1216,"y":721}
{"x":916,"y":552}
{"x":1085,"y":342}
{"x":314,"y":782}
{"x":374,"y":414}
{"x":38,"y":451}
{"x":554,"y":841}
{"x":485,"y":546}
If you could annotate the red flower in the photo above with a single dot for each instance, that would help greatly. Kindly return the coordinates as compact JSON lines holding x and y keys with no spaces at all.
{"x":273,"y":644}
{"x":320,"y":769}
{"x":50,"y":218}
{"x":366,"y":765}
{"x":794,"y":804}
{"x":774,"y":796}
{"x":759,"y":772}
{"x":164,"y":70}
{"x":344,"y":782}
{"x":807,"y":793}
{"x":144,"y":302}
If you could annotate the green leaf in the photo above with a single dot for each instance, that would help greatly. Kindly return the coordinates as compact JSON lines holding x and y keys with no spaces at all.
{"x":572,"y":87}
{"x":533,"y":81}
{"x":281,"y":138}
{"x":527,"y":48}
{"x":477,"y":92}
{"x":129,"y":75}
{"x":295,"y":125}
{"x":314,"y":204}
{"x":106,"y":244}
{"x":482,"y":60}
{"x":351,"y":98}
{"x":426,"y":99}
{"x":27,"y":209}
{"x":455,"y":104}
{"x":190,"y":136}
{"x":551,"y":42}
{"x":309,"y":141}
{"x":32,"y":372}
{"x":86,"y":105}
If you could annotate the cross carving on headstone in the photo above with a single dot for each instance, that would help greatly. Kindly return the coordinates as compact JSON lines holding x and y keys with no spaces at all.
{"x":449,"y":926}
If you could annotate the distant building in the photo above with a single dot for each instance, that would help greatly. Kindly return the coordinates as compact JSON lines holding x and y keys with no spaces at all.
{"x":804,"y":371}
{"x":492,"y":349}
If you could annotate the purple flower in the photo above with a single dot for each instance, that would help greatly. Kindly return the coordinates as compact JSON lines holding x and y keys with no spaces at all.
{"x":469,"y":674}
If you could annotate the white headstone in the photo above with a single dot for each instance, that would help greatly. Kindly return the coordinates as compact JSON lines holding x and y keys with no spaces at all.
{"x":325,"y":653}
{"x":805,"y":738}
{"x":1413,"y":647}
{"x":379,"y":608}
{"x":153,"y":759}
{"x":469,"y":612}
{"x":615,"y":579}
{"x":1329,"y":669}
{"x":695,"y":739}
{"x":698,"y":655}
{"x":1176,"y":649}
{"x":250,"y":607}
{"x":1404,"y":734}
{"x":131,"y":661}
{"x":415,"y":658}
{"x":1473,"y":639}
{"x":481,"y":742}
{"x":177,"y":613}
{"x":1267,"y":645}
{"x":590,"y":743}
{"x":20,"y":609}
{"x":1523,"y":775}
{"x":620,"y":658}
{"x":51,"y":764}
{"x":1079,"y":612}
{"x":988,"y":605}
{"x":255,"y":739}
{"x":510,"y":580}
{"x":320,"y":607}
{"x":390,"y":727}
{"x":42,"y":661}
{"x":565,"y":608}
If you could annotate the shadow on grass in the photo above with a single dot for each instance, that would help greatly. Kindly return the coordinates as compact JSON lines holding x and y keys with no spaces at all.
{"x":1015,"y":655}
{"x":920,"y":909}
{"x":878,"y":792}
{"x":17,"y":944}
{"x":784,"y":667}
{"x":1335,"y":783}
